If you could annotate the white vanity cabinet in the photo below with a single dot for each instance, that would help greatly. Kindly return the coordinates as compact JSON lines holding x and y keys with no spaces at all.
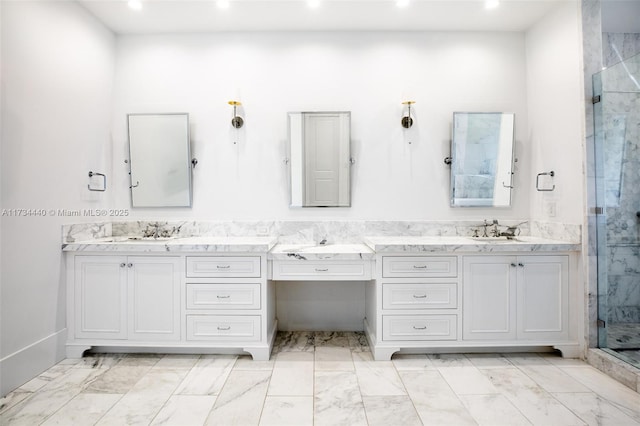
{"x":223,"y":301}
{"x":183,"y":302}
{"x":516,"y":297}
{"x":445,"y":301}
{"x":127,"y":297}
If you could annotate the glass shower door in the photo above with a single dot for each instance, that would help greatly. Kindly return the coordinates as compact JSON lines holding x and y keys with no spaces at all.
{"x":617,"y":156}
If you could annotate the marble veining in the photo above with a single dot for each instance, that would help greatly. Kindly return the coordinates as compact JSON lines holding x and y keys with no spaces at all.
{"x":303,"y":232}
{"x":298,"y":240}
{"x":342,"y":386}
{"x":321,"y":252}
{"x":465,"y":244}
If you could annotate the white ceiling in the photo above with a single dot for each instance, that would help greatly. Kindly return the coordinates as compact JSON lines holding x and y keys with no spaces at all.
{"x":188,"y":16}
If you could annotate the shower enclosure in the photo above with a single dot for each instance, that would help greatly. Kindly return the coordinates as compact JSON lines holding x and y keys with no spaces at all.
{"x":617,"y":157}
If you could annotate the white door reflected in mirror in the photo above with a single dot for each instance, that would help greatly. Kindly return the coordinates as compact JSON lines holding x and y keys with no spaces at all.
{"x":319,"y":163}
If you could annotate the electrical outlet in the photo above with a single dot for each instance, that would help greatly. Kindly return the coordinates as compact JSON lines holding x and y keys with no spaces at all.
{"x":550,"y":208}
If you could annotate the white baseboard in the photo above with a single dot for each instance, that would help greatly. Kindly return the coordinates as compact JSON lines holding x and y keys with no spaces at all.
{"x":23,"y":365}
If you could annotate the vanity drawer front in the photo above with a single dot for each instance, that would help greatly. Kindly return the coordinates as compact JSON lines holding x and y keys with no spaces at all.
{"x":419,"y":295}
{"x":223,"y":328}
{"x":223,"y":267}
{"x":419,"y":327}
{"x":318,"y":271}
{"x":419,"y":266}
{"x":223,"y":296}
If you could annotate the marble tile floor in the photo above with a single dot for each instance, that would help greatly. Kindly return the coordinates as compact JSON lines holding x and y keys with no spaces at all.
{"x":321,"y":379}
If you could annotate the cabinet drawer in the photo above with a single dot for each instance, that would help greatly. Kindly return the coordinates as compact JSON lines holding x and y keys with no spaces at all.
{"x":223,"y":328}
{"x":419,"y":266}
{"x":419,"y":295}
{"x":312,"y":271}
{"x":419,"y":327}
{"x":223,"y":296}
{"x":223,"y":267}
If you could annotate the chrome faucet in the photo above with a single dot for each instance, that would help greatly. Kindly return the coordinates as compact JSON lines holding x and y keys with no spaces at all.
{"x":152,"y":230}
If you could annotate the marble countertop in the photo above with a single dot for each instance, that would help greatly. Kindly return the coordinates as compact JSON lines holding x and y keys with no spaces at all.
{"x":176,"y":245}
{"x":321,"y":252}
{"x":410,"y":244}
{"x":348,"y":251}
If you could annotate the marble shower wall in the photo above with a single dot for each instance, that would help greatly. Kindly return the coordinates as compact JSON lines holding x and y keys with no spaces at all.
{"x":619,"y":46}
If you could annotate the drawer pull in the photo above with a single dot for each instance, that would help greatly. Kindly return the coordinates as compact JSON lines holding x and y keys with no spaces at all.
{"x":419,"y":296}
{"x":419,"y":267}
{"x":322,"y":269}
{"x":227,"y":328}
{"x":223,"y":297}
{"x":513,"y":265}
{"x":122,"y":265}
{"x":424,"y":327}
{"x":223,"y":266}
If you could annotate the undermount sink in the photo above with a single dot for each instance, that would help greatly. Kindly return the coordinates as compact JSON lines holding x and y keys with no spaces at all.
{"x":129,"y":239}
{"x":494,"y":239}
{"x":150,"y":238}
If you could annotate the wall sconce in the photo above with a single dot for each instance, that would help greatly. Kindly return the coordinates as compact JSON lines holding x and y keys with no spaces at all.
{"x":236,"y":121}
{"x":407,"y":121}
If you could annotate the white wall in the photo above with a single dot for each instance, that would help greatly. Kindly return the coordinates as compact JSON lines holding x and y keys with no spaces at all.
{"x":369,"y":74}
{"x":57,"y":83}
{"x":555,"y":102}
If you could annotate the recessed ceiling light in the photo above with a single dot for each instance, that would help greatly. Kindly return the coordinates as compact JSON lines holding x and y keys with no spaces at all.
{"x":222,"y":4}
{"x":491,"y":4}
{"x":402,"y":3}
{"x":135,"y":4}
{"x":313,"y":4}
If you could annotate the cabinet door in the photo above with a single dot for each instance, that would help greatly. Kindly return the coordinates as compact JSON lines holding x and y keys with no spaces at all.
{"x":100,"y":297}
{"x":154,"y":298}
{"x":543,"y":297}
{"x":489,"y":298}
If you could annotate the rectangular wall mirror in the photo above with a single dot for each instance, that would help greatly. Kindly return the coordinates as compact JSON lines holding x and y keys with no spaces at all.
{"x":482,"y":159}
{"x":320,"y":159}
{"x":160,"y":160}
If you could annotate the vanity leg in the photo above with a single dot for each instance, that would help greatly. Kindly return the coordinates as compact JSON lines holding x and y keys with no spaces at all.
{"x":259,"y":354}
{"x":76,"y":351}
{"x":383,"y":354}
{"x":569,"y":351}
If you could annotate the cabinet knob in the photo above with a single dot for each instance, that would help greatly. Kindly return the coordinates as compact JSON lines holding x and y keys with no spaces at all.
{"x":130,"y":265}
{"x":513,"y":265}
{"x":521,"y":265}
{"x":122,"y":265}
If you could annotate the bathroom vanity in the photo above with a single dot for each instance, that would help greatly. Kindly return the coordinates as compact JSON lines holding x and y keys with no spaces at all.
{"x":456,"y":293}
{"x":422,"y":294}
{"x":177,"y":295}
